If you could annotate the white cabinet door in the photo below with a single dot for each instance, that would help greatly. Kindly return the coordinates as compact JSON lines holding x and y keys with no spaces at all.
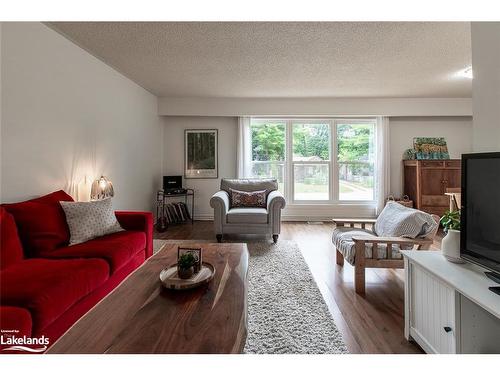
{"x":432,"y":312}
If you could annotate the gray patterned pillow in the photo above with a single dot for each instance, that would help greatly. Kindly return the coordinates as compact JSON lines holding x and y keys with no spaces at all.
{"x":88,"y":220}
{"x":248,"y":198}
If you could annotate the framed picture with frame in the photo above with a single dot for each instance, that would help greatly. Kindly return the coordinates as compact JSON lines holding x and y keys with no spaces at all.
{"x":201,"y":153}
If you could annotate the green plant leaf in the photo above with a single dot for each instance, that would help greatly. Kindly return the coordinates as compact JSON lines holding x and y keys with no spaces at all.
{"x":451,"y":220}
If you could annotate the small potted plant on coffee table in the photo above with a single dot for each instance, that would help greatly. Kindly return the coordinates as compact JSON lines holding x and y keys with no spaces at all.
{"x":185,"y":265}
{"x":450,"y":245}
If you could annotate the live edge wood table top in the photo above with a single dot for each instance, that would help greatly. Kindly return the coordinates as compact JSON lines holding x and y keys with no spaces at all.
{"x":140,"y":316}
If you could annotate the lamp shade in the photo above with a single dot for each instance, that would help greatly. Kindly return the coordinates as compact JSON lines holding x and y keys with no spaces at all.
{"x":101,"y":188}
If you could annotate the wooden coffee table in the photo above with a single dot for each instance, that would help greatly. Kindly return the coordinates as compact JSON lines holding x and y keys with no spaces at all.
{"x":140,"y":316}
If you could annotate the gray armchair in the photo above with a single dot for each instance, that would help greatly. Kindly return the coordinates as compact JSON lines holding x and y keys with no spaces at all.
{"x":251,"y":220}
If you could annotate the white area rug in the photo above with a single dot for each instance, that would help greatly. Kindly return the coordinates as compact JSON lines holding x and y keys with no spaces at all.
{"x":286,"y":311}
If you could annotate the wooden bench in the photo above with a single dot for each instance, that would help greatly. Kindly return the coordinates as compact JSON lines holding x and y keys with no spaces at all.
{"x":361,"y":262}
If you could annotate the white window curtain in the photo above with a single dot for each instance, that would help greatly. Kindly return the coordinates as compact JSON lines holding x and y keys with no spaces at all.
{"x":244,"y":155}
{"x":382,"y":165}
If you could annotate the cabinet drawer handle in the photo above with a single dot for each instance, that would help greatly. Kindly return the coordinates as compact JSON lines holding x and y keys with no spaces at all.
{"x":447,"y":329}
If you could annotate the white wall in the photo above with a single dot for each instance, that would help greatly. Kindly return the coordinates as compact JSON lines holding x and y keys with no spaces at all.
{"x":66,"y":115}
{"x":169,"y":106}
{"x":173,"y":163}
{"x":486,"y":85}
{"x":456,"y":130}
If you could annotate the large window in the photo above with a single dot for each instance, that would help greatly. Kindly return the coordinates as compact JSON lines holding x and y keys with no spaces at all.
{"x":311,"y":161}
{"x":268,"y":150}
{"x":356,"y":160}
{"x":316,"y":161}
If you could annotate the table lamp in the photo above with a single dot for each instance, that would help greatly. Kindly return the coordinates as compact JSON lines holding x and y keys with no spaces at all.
{"x":101,"y":188}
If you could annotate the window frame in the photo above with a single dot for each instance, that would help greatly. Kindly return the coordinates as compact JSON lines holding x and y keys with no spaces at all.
{"x":322,"y":162}
{"x":259,"y":121}
{"x":354,"y":121}
{"x":333,"y":162}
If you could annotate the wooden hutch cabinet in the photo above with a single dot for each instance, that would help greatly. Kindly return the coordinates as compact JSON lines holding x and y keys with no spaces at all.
{"x":426,"y":181}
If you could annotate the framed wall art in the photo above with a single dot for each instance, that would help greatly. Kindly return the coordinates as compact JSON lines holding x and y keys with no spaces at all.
{"x":200,"y":153}
{"x":430,"y":148}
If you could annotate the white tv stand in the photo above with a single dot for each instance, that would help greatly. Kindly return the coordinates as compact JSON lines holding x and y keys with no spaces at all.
{"x":448,"y":307}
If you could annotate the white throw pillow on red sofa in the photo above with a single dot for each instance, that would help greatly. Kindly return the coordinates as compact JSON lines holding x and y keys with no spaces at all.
{"x":88,"y":220}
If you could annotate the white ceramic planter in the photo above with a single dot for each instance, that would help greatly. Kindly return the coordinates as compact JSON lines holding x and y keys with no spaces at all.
{"x":450,"y":246}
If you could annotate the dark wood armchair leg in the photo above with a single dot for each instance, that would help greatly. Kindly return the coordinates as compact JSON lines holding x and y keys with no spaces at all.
{"x":275,"y":238}
{"x":340,"y":258}
{"x":219,"y":238}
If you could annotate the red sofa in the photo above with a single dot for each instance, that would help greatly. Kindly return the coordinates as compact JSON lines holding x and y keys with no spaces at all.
{"x":46,"y":285}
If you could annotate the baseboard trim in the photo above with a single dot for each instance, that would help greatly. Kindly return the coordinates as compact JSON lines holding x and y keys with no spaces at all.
{"x":305,"y":218}
{"x":326,"y":219}
{"x":204,"y":217}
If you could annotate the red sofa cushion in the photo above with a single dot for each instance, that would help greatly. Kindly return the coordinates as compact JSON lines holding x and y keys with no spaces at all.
{"x":15,"y":319}
{"x":11,"y":250}
{"x":116,"y":248}
{"x":41,"y":222}
{"x":65,"y":321}
{"x":141,"y":221}
{"x":47,"y":288}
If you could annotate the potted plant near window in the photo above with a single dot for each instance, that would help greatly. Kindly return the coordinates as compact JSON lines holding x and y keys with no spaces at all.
{"x":450,"y":245}
{"x":185,"y":265}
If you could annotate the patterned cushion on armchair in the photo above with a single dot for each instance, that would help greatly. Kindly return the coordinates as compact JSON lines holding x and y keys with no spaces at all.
{"x":248,"y":198}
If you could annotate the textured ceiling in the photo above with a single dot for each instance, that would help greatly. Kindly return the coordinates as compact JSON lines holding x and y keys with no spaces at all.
{"x":288,"y":59}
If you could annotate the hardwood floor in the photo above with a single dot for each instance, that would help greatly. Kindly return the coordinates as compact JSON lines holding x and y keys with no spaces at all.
{"x":369,"y":324}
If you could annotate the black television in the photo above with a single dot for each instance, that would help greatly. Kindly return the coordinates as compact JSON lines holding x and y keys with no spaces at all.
{"x":480,"y":211}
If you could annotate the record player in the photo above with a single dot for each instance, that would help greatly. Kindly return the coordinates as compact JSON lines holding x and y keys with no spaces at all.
{"x":172,"y":185}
